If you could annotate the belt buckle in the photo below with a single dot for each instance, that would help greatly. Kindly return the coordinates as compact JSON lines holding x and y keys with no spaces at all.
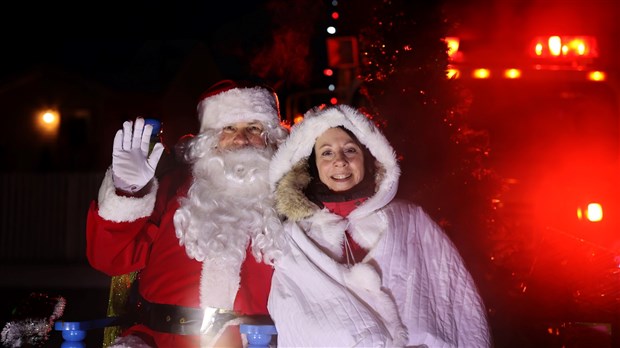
{"x":214,"y":320}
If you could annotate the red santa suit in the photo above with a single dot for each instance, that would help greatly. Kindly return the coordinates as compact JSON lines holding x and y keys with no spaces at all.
{"x":167,"y":275}
{"x":130,"y":233}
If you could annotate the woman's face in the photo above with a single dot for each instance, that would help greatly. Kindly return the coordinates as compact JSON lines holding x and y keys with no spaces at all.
{"x":339,"y":159}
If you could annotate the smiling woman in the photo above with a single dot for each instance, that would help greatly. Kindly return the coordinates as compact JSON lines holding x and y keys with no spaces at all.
{"x":359,"y":256}
{"x":339,"y":159}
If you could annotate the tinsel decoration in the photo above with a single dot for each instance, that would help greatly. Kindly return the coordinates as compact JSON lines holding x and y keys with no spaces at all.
{"x":403,"y":73}
{"x":32,"y":321}
{"x":120,"y":288}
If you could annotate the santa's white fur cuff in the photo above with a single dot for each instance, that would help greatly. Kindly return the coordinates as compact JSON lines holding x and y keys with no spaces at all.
{"x":117,"y":208}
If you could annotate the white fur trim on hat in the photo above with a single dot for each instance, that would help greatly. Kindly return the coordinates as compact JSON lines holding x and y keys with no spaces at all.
{"x":238,"y":105}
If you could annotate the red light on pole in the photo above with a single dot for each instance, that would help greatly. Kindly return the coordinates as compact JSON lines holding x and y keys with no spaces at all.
{"x":342,"y":52}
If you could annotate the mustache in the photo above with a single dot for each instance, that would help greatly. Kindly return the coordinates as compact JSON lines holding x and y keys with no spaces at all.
{"x":244,"y":170}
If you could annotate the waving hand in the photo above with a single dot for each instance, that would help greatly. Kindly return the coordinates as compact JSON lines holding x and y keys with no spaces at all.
{"x":132,"y":165}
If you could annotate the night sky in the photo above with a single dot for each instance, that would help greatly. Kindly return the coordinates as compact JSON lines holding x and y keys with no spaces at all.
{"x":113,"y":42}
{"x":104,"y":39}
{"x":148,"y":58}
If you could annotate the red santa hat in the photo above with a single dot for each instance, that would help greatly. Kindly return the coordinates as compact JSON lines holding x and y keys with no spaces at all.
{"x":229,"y":102}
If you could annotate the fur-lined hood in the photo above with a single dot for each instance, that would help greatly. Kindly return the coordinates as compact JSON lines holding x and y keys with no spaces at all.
{"x":289,"y":174}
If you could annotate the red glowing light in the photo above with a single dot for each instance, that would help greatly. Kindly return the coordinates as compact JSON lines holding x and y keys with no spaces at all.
{"x":564,"y":46}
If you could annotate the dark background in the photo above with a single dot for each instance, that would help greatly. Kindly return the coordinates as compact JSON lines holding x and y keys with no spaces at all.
{"x":101,"y":63}
{"x":104,"y":62}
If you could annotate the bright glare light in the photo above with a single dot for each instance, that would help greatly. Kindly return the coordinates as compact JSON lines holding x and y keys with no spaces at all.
{"x":594,"y":212}
{"x":331,"y":87}
{"x":512,"y":73}
{"x":597,"y":76}
{"x":538,"y":49}
{"x":453,"y":73}
{"x":48,"y":122}
{"x":328,"y":72}
{"x":565,"y":47}
{"x":49,"y":117}
{"x":298,"y":119}
{"x":333,"y":100}
{"x":581,"y":48}
{"x":453,"y":45}
{"x":481,"y":73}
{"x":555,"y":45}
{"x":331,"y":30}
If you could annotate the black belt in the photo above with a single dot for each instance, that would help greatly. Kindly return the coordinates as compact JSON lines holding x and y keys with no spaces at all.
{"x":169,"y":318}
{"x":187,"y":320}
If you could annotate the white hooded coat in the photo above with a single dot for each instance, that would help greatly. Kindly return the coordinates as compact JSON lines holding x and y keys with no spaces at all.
{"x":411,"y":289}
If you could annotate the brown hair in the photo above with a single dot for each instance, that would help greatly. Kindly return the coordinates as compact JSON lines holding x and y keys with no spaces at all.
{"x":317,"y":191}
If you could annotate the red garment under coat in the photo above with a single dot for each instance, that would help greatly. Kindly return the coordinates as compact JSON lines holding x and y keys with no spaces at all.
{"x":343,"y":209}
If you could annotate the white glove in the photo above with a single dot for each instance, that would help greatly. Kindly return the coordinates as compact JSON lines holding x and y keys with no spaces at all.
{"x":132,"y":167}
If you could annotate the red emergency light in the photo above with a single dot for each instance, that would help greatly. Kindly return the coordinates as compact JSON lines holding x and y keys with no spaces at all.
{"x":592,"y":212}
{"x":560,"y":53}
{"x":556,"y":46}
{"x":453,"y":42}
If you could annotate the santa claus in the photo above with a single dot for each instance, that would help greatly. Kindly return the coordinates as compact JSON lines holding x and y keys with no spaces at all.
{"x":203,"y":237}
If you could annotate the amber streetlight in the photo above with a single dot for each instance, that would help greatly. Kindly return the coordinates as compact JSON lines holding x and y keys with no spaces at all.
{"x":48,"y":122}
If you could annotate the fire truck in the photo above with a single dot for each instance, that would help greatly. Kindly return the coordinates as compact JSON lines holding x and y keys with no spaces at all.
{"x":539,"y":78}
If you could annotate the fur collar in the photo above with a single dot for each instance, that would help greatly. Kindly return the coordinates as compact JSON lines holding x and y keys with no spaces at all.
{"x":291,"y":200}
{"x":289,"y":168}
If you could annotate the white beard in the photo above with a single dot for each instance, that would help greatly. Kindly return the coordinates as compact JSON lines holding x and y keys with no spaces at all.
{"x":228,"y":204}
